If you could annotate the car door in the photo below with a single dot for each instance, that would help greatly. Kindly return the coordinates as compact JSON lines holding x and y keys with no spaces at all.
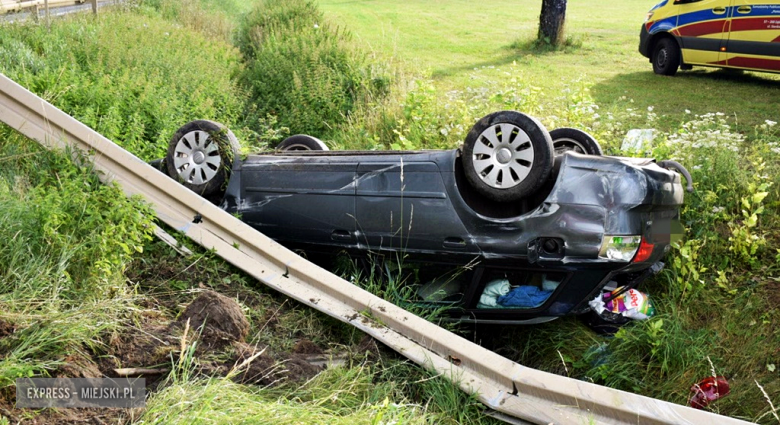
{"x":754,"y":39}
{"x":702,"y":27}
{"x":306,"y":200}
{"x":403,"y":206}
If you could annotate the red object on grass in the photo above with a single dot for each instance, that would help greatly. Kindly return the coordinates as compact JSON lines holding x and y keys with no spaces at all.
{"x":708,"y":390}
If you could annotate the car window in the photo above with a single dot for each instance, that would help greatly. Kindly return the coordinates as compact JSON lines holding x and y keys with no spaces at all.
{"x":517,"y":289}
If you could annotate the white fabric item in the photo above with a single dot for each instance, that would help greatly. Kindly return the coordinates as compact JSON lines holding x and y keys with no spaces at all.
{"x":493,"y":290}
{"x":549,"y":285}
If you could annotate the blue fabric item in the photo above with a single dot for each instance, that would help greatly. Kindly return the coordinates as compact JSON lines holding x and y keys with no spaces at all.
{"x":524,"y":296}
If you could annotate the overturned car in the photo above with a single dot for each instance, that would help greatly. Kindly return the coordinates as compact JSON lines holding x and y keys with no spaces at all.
{"x":517,"y":226}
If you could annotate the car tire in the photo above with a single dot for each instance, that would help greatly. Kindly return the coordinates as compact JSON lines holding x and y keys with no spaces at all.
{"x":302,"y":142}
{"x":666,"y":56}
{"x":200,"y":156}
{"x":507,"y":155}
{"x":573,"y":140}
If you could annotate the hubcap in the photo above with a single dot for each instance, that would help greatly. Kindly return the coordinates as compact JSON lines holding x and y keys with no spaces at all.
{"x":503,"y":156}
{"x":196,"y":158}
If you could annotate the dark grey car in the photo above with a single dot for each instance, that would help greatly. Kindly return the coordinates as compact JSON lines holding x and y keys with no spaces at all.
{"x":585,"y":221}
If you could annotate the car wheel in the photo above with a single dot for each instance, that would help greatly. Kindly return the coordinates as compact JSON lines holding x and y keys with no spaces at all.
{"x":572,"y":140}
{"x":302,"y":142}
{"x":200,"y":156}
{"x":507,"y":155}
{"x":666,"y":56}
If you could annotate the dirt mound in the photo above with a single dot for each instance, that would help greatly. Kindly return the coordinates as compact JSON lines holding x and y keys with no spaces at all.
{"x":78,"y":367}
{"x":305,"y":346}
{"x":224,"y":321}
{"x":270,"y":368}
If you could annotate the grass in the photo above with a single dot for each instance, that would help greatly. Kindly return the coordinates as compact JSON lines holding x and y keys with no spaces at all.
{"x":62,"y":263}
{"x":722,"y":282}
{"x":360,"y":394}
{"x":133,"y":76}
{"x":445,"y":65}
{"x":449,"y":39}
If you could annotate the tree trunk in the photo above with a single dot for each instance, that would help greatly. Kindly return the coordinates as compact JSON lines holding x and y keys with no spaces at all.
{"x":551,"y":22}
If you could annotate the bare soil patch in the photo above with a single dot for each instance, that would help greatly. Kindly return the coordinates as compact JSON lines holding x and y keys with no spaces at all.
{"x":6,"y":328}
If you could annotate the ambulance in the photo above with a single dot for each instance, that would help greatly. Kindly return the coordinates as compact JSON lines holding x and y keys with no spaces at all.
{"x":739,"y":34}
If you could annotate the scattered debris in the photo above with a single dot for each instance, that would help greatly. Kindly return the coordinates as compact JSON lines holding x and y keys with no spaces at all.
{"x":139,"y":371}
{"x":708,"y":390}
{"x":638,"y":139}
{"x":628,"y":303}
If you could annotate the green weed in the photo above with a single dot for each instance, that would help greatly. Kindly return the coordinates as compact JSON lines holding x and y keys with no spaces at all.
{"x":62,"y":262}
{"x":303,"y":69}
{"x":130,"y":75}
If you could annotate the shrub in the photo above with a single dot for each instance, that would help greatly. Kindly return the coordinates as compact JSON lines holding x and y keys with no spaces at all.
{"x":301,"y":68}
{"x":65,"y":240}
{"x":133,"y":78}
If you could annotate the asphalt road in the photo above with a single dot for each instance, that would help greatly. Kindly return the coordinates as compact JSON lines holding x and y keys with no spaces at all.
{"x":56,"y":11}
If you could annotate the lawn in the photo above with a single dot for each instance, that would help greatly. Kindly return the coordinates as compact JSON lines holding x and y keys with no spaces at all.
{"x":451,"y":38}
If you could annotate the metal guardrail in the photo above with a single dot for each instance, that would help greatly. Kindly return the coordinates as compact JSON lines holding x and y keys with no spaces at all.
{"x":8,"y":6}
{"x":517,"y":392}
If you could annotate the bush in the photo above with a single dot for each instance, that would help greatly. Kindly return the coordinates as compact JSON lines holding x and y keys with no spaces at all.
{"x":302,"y":69}
{"x":134,"y":78}
{"x":62,"y":261}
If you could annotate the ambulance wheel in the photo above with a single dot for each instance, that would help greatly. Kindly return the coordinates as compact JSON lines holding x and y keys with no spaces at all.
{"x":666,"y":56}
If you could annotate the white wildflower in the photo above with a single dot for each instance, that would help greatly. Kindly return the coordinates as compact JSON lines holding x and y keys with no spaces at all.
{"x":770,"y":123}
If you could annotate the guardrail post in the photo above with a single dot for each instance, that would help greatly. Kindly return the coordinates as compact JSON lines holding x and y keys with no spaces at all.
{"x":48,"y":19}
{"x":34,"y":13}
{"x":94,"y":6}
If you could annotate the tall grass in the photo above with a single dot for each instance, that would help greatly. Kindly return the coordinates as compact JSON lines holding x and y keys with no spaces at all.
{"x":65,"y":240}
{"x":130,"y":75}
{"x":395,"y":392}
{"x":139,"y":74}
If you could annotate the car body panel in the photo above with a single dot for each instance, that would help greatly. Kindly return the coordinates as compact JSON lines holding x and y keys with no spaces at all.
{"x":418,"y":204}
